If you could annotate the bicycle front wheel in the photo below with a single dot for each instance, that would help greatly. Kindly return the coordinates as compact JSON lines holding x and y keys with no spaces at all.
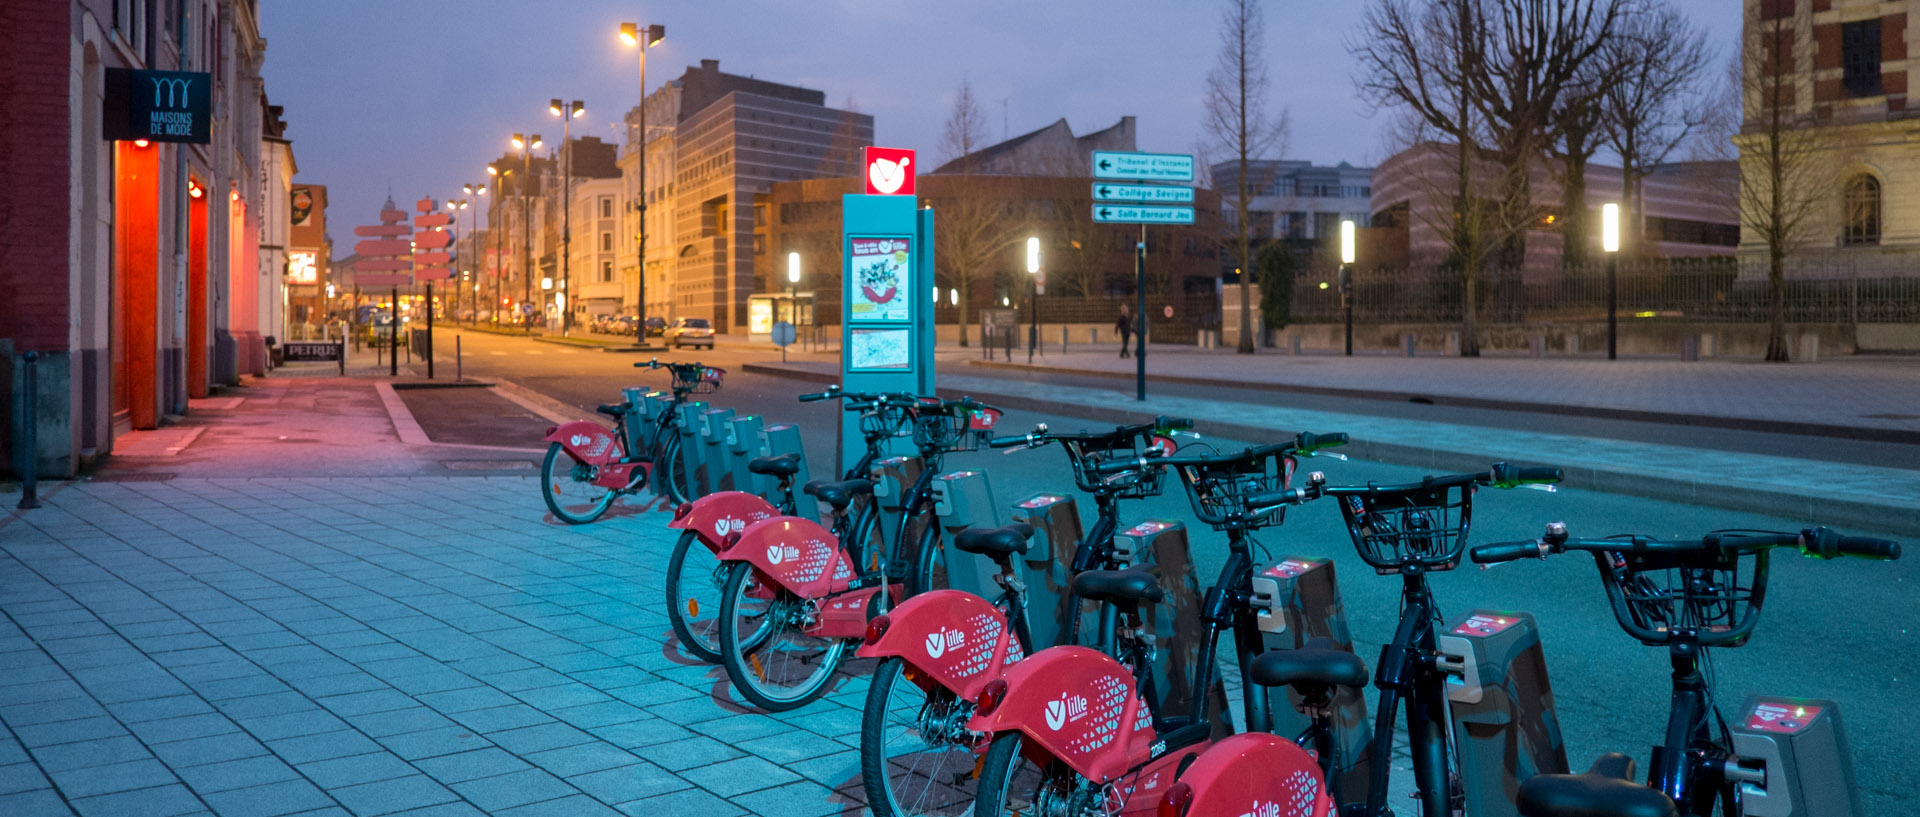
{"x":916,"y":757}
{"x":789,"y":667}
{"x":929,"y":558}
{"x":567,"y":485}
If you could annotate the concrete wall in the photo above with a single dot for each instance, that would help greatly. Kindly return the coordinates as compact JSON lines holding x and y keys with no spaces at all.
{"x":1637,"y":337}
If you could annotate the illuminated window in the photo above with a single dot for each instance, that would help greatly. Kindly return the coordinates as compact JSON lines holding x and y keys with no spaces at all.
{"x":1863,"y":211}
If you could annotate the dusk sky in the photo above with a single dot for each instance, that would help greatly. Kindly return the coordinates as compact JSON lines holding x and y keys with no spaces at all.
{"x":418,"y":96}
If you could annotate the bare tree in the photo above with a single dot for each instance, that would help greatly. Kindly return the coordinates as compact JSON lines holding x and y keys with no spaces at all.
{"x":1240,"y":124}
{"x":1787,"y":167}
{"x":1653,"y":100}
{"x":975,"y":230}
{"x":1578,"y":135}
{"x":1491,"y":74}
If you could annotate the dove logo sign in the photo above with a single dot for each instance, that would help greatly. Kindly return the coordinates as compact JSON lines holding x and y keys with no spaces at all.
{"x":1068,"y":708}
{"x":889,"y":171}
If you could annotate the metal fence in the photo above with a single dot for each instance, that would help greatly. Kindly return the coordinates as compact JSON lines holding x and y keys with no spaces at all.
{"x":1190,"y":313}
{"x":1819,"y":289}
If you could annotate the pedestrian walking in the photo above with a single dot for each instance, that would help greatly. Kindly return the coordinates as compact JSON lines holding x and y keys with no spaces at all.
{"x":1123,"y":326}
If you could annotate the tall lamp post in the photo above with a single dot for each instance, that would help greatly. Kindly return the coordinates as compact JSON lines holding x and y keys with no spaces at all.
{"x":473,"y":296}
{"x":1610,"y":241}
{"x":498,"y":228}
{"x":1033,"y":297}
{"x":567,"y":114}
{"x":793,"y":304}
{"x":643,"y":36}
{"x":526,"y":147}
{"x":1346,"y":278}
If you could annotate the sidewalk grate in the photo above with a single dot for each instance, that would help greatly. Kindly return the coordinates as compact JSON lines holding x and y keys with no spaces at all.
{"x":151,"y":476}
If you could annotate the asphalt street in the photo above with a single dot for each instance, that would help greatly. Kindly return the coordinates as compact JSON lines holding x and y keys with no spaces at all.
{"x":1839,"y":630}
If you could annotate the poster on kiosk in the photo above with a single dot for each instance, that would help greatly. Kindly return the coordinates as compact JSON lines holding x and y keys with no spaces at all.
{"x":887,"y":285}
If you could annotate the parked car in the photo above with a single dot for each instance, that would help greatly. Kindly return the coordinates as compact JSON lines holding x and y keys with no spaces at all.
{"x":622,"y":325}
{"x":690,"y":332}
{"x":656,"y":327}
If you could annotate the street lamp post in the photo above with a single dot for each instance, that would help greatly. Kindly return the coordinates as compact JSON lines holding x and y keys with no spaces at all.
{"x":526,"y":147}
{"x":567,"y":114}
{"x":498,"y":228}
{"x":1033,"y":297}
{"x":473,"y":298}
{"x":1610,"y":241}
{"x":793,"y":303}
{"x":1346,"y":278}
{"x":454,"y":207}
{"x":643,"y":36}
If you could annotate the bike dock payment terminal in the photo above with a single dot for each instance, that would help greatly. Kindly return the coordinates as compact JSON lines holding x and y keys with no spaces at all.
{"x":886,"y":336}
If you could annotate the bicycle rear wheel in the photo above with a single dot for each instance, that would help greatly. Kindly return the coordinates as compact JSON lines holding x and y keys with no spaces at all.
{"x":1014,"y":786}
{"x":788,"y":668}
{"x":567,"y":486}
{"x":671,"y":472}
{"x":916,"y":757}
{"x":695,"y":579}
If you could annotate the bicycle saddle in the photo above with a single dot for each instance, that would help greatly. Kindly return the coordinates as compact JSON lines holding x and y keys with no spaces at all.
{"x":1604,"y":791}
{"x":839,"y":494}
{"x":785,"y":465}
{"x":612,"y":409}
{"x":994,"y":541}
{"x":1132,"y":584}
{"x":1316,"y":663}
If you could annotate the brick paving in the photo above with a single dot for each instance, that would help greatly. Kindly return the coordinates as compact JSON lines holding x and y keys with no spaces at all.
{"x":420,"y":646}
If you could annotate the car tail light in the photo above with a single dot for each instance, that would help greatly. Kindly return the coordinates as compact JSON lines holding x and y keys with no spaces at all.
{"x":991,"y":696}
{"x":1175,"y":802}
{"x":877,"y":628}
{"x":681,"y":512}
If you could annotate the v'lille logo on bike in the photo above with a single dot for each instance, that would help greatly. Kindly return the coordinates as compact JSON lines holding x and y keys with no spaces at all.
{"x":1263,"y":809}
{"x":722,"y":527}
{"x":580,"y":440}
{"x":939,"y":643}
{"x":781,"y":553}
{"x":1068,"y":708}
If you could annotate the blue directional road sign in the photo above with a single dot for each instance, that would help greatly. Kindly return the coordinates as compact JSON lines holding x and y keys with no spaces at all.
{"x":1143,"y":193}
{"x":1151,"y":167}
{"x":1141,"y":214}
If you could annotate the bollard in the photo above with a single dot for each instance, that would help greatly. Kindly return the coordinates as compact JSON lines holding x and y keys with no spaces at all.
{"x":1293,"y":345}
{"x":27,"y":450}
{"x":456,"y":358}
{"x":1064,"y":340}
{"x":1808,"y":349}
{"x":1537,"y":345}
{"x":1573,"y":343}
{"x":1706,"y":344}
{"x":1690,"y":348}
{"x":1453,"y":344}
{"x":1407,"y":344}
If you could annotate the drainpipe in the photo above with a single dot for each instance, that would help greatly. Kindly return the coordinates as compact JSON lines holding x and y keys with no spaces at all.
{"x":180,"y":227}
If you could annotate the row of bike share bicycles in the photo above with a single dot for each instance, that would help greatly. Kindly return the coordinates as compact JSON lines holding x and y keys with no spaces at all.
{"x":1043,"y":669}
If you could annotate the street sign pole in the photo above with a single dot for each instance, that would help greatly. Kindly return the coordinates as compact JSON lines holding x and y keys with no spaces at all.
{"x":1140,"y":293}
{"x":429,"y":352}
{"x":393,"y":338}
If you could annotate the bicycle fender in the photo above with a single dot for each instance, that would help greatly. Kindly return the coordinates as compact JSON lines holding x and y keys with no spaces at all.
{"x":954,"y":638}
{"x":1078,"y":705}
{"x":1255,"y":773}
{"x":588,"y":441}
{"x":715,"y":515}
{"x":794,"y":554}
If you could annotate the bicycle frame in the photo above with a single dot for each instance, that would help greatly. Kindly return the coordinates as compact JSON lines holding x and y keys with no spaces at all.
{"x":1407,"y":671}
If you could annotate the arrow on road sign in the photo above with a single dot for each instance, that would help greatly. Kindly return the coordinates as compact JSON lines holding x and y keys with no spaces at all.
{"x":432,"y":240}
{"x":434,"y":220}
{"x":382,"y":265}
{"x":421,"y":259}
{"x":389,"y":246}
{"x":1157,"y":167}
{"x":382,"y":229}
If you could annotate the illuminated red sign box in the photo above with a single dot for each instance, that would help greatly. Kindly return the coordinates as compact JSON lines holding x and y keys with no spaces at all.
{"x":889,"y":171}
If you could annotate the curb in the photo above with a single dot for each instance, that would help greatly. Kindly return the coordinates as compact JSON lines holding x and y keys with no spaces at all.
{"x":1879,"y":435}
{"x":404,"y":425}
{"x":546,"y":407}
{"x":1848,"y":515}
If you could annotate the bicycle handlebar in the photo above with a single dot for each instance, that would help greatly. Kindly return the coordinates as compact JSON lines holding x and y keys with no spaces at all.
{"x":1305,"y":442}
{"x":1817,"y":542}
{"x":1041,"y":435}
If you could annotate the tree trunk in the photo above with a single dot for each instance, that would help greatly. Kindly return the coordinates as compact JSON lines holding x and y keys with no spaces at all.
{"x":1776,"y":307}
{"x":1573,"y":214}
{"x":963,"y":313}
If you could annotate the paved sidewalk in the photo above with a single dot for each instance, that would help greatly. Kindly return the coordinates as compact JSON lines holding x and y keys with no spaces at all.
{"x":1877,"y":393}
{"x":425,"y":646}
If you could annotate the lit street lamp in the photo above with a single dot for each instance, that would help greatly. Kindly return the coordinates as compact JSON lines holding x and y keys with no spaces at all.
{"x":526,"y":147}
{"x":567,"y":114}
{"x":1033,"y":300}
{"x":473,"y":298}
{"x":632,"y":34}
{"x":1610,"y":241}
{"x":793,"y":303}
{"x":1346,"y":278}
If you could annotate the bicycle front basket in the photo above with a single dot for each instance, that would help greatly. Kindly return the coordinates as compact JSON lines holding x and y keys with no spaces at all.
{"x":1400,"y":529}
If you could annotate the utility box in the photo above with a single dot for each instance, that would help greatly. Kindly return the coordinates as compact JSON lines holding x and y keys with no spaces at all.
{"x":1297,"y":599}
{"x":891,"y":479}
{"x":1056,"y":535}
{"x":1798,"y":748}
{"x":1504,"y":725}
{"x":744,"y":446}
{"x":1161,"y":546}
{"x":718,"y":459}
{"x":961,"y":500}
{"x":693,"y":455}
{"x":784,"y":438}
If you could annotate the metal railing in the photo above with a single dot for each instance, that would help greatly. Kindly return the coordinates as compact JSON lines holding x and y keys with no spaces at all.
{"x":1819,"y":288}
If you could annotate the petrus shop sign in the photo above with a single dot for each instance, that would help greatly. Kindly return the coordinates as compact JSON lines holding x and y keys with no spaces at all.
{"x":158,"y":106}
